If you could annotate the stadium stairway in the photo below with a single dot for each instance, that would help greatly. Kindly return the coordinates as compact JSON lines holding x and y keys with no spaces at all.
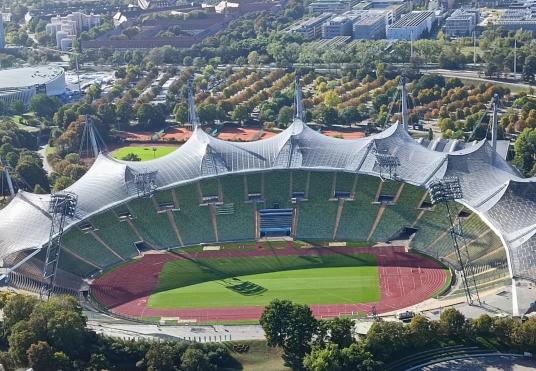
{"x":317,"y":214}
{"x":192,"y":220}
{"x":358,"y":215}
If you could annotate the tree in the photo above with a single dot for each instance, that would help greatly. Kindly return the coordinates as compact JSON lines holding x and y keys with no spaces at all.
{"x":529,"y":68}
{"x":161,"y":356}
{"x":18,"y":308}
{"x":483,"y":325}
{"x":525,"y":152}
{"x":194,"y":359}
{"x":386,"y":340}
{"x":290,"y":327}
{"x":41,"y":357}
{"x":326,"y":115}
{"x":331,"y":99}
{"x":240,"y":113}
{"x":285,"y":116}
{"x":350,"y":115}
{"x":333,"y":358}
{"x":181,"y":113}
{"x":340,"y":331}
{"x":43,"y":105}
{"x":525,"y":335}
{"x":61,"y":183}
{"x":19,"y":341}
{"x":452,"y":324}
{"x":253,"y":58}
{"x":131,"y":157}
{"x":421,"y":331}
{"x":98,"y":362}
{"x":150,"y":117}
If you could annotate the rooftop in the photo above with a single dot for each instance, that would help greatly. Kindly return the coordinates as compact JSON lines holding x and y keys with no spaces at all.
{"x":28,"y":76}
{"x":412,"y":19}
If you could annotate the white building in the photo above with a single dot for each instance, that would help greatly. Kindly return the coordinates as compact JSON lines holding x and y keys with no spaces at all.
{"x":332,"y":6}
{"x":310,"y":28}
{"x":370,"y":26}
{"x":462,"y":22}
{"x":65,"y":29}
{"x":2,"y":37}
{"x":340,"y":25}
{"x":411,"y":26}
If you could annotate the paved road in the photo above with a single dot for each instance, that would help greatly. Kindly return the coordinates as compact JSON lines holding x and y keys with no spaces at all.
{"x":196,"y":333}
{"x":46,"y":165}
{"x":474,"y":75}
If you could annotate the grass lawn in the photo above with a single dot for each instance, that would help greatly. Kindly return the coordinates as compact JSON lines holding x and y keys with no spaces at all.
{"x":259,"y":357}
{"x":251,"y":281}
{"x":145,"y":153}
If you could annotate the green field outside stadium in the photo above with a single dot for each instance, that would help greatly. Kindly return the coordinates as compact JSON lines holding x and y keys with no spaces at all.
{"x":251,"y":281}
{"x":144,"y":153}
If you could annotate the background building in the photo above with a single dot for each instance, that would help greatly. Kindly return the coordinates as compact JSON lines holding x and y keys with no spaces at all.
{"x":2,"y":36}
{"x":462,"y":22}
{"x":332,"y":6}
{"x":371,"y":25}
{"x":65,"y":29}
{"x":338,"y":26}
{"x":516,"y":19}
{"x":21,"y":84}
{"x":411,"y":26}
{"x":310,"y":28}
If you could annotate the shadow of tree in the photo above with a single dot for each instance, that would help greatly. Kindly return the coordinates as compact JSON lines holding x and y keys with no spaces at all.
{"x":246,"y":288}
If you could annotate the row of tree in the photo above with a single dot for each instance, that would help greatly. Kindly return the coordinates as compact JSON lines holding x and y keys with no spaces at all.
{"x":327,"y":345}
{"x":52,"y":335}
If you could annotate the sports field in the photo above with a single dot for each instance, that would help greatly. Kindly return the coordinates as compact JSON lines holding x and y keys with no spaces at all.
{"x":249,"y":281}
{"x":144,"y":153}
{"x":236,"y":282}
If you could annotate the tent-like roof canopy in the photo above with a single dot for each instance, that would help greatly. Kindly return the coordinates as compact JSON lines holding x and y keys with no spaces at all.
{"x":492,"y":188}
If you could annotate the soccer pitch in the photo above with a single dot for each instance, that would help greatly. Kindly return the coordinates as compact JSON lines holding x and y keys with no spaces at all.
{"x":252,"y":281}
{"x":144,"y":153}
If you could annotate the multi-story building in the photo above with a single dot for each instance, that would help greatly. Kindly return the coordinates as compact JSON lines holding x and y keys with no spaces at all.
{"x":517,"y":19}
{"x":393,"y":10}
{"x":371,"y":25}
{"x":65,"y":29}
{"x":332,"y":6}
{"x":338,"y":26}
{"x":2,"y":37}
{"x":411,"y":26}
{"x":310,"y":28}
{"x":462,"y":22}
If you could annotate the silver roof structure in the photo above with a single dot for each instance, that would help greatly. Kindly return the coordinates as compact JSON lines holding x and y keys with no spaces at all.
{"x":18,"y":78}
{"x":492,"y":188}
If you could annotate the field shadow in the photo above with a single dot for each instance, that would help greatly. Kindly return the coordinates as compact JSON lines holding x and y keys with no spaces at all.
{"x":246,"y":288}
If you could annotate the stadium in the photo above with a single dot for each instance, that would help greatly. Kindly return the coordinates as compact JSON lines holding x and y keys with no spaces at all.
{"x":216,"y":229}
{"x":21,"y":84}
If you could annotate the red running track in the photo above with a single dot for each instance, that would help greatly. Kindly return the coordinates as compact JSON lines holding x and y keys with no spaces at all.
{"x":405,"y":279}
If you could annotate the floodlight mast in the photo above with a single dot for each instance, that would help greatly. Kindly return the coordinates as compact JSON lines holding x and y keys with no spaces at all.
{"x":443,"y":191}
{"x":145,"y":183}
{"x":495,"y":122}
{"x":404,"y":96}
{"x":192,"y":113}
{"x":300,"y":110}
{"x":61,"y":206}
{"x":387,"y":163}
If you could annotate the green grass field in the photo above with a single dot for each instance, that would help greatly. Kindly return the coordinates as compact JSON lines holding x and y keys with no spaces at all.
{"x":144,"y":153}
{"x":251,"y":281}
